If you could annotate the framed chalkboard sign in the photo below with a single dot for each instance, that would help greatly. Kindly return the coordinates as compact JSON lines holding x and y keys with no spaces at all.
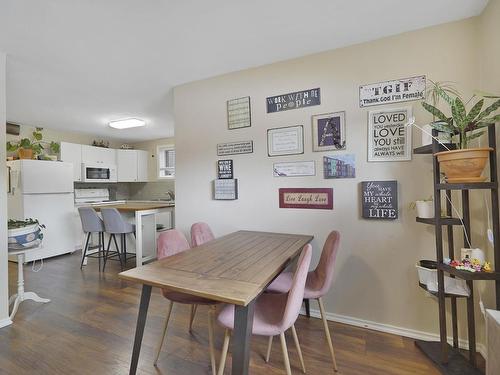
{"x":379,"y":200}
{"x":224,"y":169}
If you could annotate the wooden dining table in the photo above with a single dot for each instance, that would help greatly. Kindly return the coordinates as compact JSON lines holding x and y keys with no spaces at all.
{"x":233,"y":269}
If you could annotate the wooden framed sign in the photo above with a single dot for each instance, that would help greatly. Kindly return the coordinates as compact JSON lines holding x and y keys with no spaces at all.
{"x":288,"y":140}
{"x":224,"y":169}
{"x":294,"y":169}
{"x":293,"y":100}
{"x":380,"y":199}
{"x":226,"y":189}
{"x":238,"y":113}
{"x":310,"y":198}
{"x":234,"y":148}
{"x":395,"y":91}
{"x":389,"y":139}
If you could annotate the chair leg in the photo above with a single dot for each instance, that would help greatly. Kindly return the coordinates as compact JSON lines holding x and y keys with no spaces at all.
{"x":169,"y":311}
{"x":308,"y":308}
{"x":99,"y":252}
{"x":211,"y":321}
{"x":85,"y":250}
{"x":124,"y":247}
{"x":106,"y":255}
{"x":285,"y":354}
{"x":225,"y":348}
{"x":327,"y":333}
{"x":299,"y":351}
{"x":269,"y":347}
{"x":191,"y":317}
{"x":117,"y":250}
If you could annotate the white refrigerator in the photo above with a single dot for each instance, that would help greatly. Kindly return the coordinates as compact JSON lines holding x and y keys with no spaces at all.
{"x":43,"y":190}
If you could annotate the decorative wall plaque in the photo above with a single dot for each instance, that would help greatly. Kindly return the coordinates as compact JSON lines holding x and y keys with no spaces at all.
{"x":293,"y":100}
{"x":224,"y":169}
{"x":226,"y":189}
{"x":234,"y":148}
{"x":238,"y":113}
{"x":380,"y":199}
{"x":288,"y":140}
{"x":311,"y":198}
{"x":328,"y":131}
{"x":399,"y":90}
{"x":339,"y":166}
{"x":294,"y":169}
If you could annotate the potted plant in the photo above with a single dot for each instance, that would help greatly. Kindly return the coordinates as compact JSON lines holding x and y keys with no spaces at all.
{"x":28,"y":148}
{"x":424,"y":207}
{"x":463,"y":164}
{"x":24,"y":233}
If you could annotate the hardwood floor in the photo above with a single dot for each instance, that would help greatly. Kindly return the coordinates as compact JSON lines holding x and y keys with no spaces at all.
{"x":89,"y":325}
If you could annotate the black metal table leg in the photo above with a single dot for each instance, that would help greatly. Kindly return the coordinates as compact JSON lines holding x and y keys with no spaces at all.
{"x":308,"y":308}
{"x":139,"y":330}
{"x":243,"y":321}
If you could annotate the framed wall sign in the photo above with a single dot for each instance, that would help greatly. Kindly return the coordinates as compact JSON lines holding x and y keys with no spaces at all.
{"x":238,"y":113}
{"x":285,"y":141}
{"x":328,"y":131}
{"x":294,"y":169}
{"x":234,"y":148}
{"x":399,"y":90}
{"x":389,"y":139}
{"x":339,"y":166}
{"x":224,"y":169}
{"x":380,"y":199}
{"x":226,"y":189}
{"x":311,"y":198}
{"x":293,"y":100}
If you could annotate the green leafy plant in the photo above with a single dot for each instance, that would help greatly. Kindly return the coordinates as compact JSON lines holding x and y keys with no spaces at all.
{"x":464,"y":124}
{"x":36,"y":144}
{"x":16,"y":224}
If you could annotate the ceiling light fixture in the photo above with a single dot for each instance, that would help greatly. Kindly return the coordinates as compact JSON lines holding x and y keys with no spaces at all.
{"x":127,"y":123}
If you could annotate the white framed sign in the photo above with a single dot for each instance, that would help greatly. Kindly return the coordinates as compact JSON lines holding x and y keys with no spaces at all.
{"x":294,"y":169}
{"x":226,"y":189}
{"x":389,"y":139}
{"x":234,"y":148}
{"x":288,"y":140}
{"x":238,"y":113}
{"x":395,"y":91}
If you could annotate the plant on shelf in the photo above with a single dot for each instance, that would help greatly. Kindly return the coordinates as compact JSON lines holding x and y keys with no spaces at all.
{"x":463,"y":164}
{"x":28,"y":148}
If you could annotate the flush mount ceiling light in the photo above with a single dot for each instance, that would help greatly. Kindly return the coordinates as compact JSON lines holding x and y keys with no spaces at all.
{"x":127,"y":123}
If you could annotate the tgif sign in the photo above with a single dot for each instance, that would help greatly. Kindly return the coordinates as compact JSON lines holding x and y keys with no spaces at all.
{"x":400,"y":90}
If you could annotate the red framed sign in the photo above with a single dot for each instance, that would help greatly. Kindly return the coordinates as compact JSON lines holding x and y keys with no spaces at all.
{"x":312,"y":198}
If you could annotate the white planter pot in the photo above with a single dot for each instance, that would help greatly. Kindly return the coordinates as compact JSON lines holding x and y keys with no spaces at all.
{"x":425,"y":209}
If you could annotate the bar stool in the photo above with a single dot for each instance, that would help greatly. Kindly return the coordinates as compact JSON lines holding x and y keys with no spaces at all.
{"x":115,"y":224}
{"x":91,"y":223}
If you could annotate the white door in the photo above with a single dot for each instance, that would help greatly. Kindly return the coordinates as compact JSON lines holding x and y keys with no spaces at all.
{"x":98,"y":155}
{"x":38,"y":177}
{"x":72,"y":153}
{"x":127,"y":165}
{"x":142,"y":165}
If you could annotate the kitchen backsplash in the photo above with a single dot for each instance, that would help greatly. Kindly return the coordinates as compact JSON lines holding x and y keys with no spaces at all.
{"x":133,"y":190}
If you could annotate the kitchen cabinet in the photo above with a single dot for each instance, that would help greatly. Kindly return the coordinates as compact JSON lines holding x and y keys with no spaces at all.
{"x":98,"y":155}
{"x":72,"y":153}
{"x":132,"y":165}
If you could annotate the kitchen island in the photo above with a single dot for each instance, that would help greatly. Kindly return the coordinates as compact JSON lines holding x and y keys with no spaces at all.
{"x":144,"y":214}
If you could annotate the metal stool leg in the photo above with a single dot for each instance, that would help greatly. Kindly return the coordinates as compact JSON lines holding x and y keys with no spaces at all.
{"x":85,"y":250}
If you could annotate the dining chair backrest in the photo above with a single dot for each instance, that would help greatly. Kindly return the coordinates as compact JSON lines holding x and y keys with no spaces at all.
{"x":321,"y":278}
{"x":200,"y":234}
{"x":91,"y":222}
{"x":296,"y":293}
{"x":114,"y":221}
{"x":171,"y":242}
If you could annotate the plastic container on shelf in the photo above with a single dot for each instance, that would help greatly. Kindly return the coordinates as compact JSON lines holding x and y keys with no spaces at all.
{"x":428,"y":277}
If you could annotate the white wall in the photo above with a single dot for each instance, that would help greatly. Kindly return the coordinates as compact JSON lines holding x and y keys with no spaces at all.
{"x":4,"y":279}
{"x":375,"y":275}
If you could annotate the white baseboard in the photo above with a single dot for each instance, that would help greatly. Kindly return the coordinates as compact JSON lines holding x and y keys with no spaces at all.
{"x":387,"y":328}
{"x":5,"y":322}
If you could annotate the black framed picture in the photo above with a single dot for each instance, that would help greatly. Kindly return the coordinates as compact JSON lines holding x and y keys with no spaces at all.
{"x":224,"y":169}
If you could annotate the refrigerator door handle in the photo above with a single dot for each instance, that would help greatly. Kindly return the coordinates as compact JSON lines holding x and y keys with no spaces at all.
{"x":9,"y":181}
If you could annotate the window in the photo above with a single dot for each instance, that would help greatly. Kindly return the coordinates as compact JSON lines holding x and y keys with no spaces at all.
{"x":166,"y":161}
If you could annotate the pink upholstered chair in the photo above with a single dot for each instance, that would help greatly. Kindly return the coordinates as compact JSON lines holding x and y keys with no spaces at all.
{"x":172,"y":242}
{"x":200,"y":234}
{"x":273,"y":314}
{"x":318,"y":283}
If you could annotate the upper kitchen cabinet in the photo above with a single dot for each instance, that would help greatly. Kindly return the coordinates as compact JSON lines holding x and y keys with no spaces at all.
{"x":72,"y":153}
{"x":98,"y":155}
{"x":132,"y":165}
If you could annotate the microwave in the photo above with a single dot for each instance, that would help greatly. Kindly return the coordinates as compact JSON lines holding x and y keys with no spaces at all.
{"x":99,"y":173}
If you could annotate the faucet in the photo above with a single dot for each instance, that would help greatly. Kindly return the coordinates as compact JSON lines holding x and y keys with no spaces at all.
{"x":170,"y":194}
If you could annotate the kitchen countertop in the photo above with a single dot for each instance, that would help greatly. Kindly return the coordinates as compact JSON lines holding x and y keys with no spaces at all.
{"x":134,"y":205}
